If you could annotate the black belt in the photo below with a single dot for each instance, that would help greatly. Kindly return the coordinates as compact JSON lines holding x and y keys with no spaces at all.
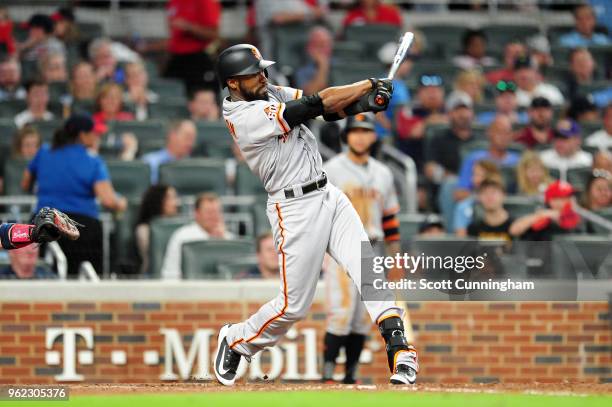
{"x":311,"y":186}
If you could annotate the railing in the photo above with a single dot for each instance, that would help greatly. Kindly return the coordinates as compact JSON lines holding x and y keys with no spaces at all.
{"x":410,"y":204}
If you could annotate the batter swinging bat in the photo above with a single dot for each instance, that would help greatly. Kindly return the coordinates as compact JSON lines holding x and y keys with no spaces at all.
{"x":400,"y":54}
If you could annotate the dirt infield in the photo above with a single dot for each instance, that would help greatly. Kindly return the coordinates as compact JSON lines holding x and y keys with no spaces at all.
{"x":527,"y":388}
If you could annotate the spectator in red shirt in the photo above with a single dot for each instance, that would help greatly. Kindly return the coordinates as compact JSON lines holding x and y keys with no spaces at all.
{"x":512,"y":52}
{"x":373,"y":12}
{"x":6,"y":32}
{"x":539,"y":131}
{"x":194,"y":27}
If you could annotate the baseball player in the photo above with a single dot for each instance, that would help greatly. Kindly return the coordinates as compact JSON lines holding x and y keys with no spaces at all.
{"x":368,"y":183}
{"x":48,"y":225}
{"x":308,"y":215}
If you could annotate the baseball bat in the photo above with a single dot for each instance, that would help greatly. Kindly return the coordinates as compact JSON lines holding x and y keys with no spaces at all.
{"x":400,"y":54}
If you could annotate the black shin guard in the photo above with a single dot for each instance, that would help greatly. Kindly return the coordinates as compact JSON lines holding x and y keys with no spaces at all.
{"x":331,"y":346}
{"x":392,"y":331}
{"x":354,"y":346}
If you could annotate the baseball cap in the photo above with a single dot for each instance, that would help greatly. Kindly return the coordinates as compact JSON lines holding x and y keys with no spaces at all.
{"x":539,"y":43}
{"x":360,"y":121}
{"x":79,"y":122}
{"x":566,"y":128}
{"x":558,"y":189}
{"x":431,"y":221}
{"x":540,"y":101}
{"x":63,"y":13}
{"x":458,"y":99}
{"x":430,"y":80}
{"x":42,"y":21}
{"x":505,"y":86}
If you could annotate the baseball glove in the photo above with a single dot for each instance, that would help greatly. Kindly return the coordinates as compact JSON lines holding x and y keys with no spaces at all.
{"x":51,"y":224}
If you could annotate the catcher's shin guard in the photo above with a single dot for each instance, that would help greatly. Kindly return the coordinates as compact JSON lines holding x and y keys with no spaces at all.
{"x":402,"y":357}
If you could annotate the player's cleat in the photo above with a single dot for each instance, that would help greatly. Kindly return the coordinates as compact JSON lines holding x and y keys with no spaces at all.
{"x":226,"y":360}
{"x":402,"y":358}
{"x":406,"y":367}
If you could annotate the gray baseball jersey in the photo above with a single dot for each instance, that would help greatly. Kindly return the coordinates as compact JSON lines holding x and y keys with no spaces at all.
{"x":279,"y":156}
{"x":370,"y":189}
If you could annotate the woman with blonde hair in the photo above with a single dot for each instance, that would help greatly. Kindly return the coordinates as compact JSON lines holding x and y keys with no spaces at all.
{"x":532,"y":176}
{"x":472,"y":83}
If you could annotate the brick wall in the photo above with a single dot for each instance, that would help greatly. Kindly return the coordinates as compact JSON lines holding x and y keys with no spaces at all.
{"x":458,"y":342}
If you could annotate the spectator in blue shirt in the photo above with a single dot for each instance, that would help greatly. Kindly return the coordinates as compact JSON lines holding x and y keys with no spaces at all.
{"x":500,"y":136}
{"x":584,"y":34}
{"x":70,"y":178}
{"x":506,"y":104}
{"x":180,"y":142}
{"x":23,"y":265}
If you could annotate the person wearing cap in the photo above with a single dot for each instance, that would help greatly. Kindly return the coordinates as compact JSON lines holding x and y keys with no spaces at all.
{"x":584,"y":34}
{"x":427,"y":109}
{"x":473,"y":56}
{"x":583,"y":110}
{"x":443,"y":152}
{"x":538,"y":48}
{"x":539,"y":130}
{"x":500,"y":137}
{"x":530,"y":84}
{"x":40,"y":39}
{"x":505,"y":104}
{"x":431,"y":226}
{"x":581,"y":71}
{"x":368,"y":183}
{"x":602,"y":138}
{"x":559,"y":216}
{"x":566,"y":152}
{"x":512,"y":51}
{"x":71,"y":178}
{"x":65,"y":28}
{"x":313,"y":76}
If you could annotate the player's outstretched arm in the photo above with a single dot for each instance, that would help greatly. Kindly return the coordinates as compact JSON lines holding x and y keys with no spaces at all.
{"x":47,"y":226}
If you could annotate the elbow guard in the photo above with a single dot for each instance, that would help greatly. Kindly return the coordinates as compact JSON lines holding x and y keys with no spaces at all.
{"x":303,"y":109}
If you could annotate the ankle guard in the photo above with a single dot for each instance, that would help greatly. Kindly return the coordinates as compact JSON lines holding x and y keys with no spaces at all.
{"x":392,"y":331}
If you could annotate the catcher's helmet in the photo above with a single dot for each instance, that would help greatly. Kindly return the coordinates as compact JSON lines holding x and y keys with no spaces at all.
{"x":241,"y":59}
{"x":359,"y":121}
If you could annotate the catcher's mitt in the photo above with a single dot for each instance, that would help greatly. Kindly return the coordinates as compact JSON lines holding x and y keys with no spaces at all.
{"x":51,"y":224}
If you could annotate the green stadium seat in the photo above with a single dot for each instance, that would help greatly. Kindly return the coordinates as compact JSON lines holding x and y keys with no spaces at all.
{"x":215,"y":138}
{"x":169,"y":108}
{"x":579,"y":177}
{"x":499,"y":35}
{"x":372,"y":36}
{"x":260,"y":217}
{"x":195,"y":175}
{"x":201,"y":259}
{"x":410,"y":223}
{"x":129,"y":178}
{"x":583,"y":256}
{"x":342,"y":74}
{"x":89,"y":31}
{"x":247,"y":183}
{"x":230,"y":269}
{"x":346,"y":51}
{"x":124,"y":243}
{"x":165,"y":88}
{"x":7,"y":130}
{"x":13,"y":173}
{"x":47,"y":129}
{"x":161,"y":231}
{"x":151,"y":134}
{"x":290,"y":44}
{"x":83,"y":106}
{"x":9,"y":108}
{"x":443,"y":40}
{"x":518,"y":206}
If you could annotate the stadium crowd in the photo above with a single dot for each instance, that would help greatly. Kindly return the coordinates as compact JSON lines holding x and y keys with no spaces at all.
{"x":510,"y":133}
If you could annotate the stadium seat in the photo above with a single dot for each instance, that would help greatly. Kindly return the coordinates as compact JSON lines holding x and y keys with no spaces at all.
{"x":347,"y":51}
{"x":124,"y":243}
{"x":342,"y":74}
{"x":554,"y":31}
{"x":89,"y":31}
{"x":260,"y":217}
{"x":7,"y":130}
{"x":13,"y":173}
{"x":247,"y":183}
{"x":169,"y":108}
{"x":579,"y":177}
{"x":10,"y":108}
{"x":215,"y":138}
{"x":57,"y":90}
{"x":129,"y":178}
{"x":195,"y":175}
{"x":83,"y":106}
{"x":410,"y":223}
{"x":499,"y":34}
{"x":373,"y":36}
{"x":230,"y":269}
{"x":290,"y":44}
{"x":443,"y":40}
{"x":165,"y":88}
{"x":518,"y":205}
{"x":151,"y":134}
{"x":161,"y":231}
{"x":586,"y":257}
{"x":200,"y":260}
{"x":47,"y":129}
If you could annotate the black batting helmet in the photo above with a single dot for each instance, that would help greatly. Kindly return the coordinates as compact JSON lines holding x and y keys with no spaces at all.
{"x":359,"y":121}
{"x":241,"y":59}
